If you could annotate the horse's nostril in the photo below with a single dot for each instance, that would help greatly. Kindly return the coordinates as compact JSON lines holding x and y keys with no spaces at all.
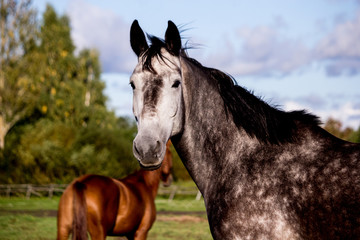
{"x":147,"y":150}
{"x":136,"y":150}
{"x":158,"y":146}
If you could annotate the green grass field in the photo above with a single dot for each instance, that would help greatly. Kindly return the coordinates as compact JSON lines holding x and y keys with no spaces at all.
{"x":18,"y":221}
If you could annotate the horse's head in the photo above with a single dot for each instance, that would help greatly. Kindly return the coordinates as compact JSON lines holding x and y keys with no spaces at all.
{"x":157,"y":93}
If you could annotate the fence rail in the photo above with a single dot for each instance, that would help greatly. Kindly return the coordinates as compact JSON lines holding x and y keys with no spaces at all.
{"x":9,"y":190}
{"x":43,"y":190}
{"x":179,"y":190}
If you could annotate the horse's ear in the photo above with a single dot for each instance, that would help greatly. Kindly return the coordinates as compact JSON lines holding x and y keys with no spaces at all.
{"x":137,"y":39}
{"x":172,"y":39}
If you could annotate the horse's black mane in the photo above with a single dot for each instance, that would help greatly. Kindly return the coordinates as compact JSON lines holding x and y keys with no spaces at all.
{"x":153,"y":51}
{"x":256,"y":117}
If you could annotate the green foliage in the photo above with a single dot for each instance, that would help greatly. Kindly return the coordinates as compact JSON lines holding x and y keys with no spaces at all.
{"x":56,"y":151}
{"x":67,"y":130}
{"x":42,"y":153}
{"x":355,"y":136}
{"x":334,"y":127}
{"x":18,"y":62}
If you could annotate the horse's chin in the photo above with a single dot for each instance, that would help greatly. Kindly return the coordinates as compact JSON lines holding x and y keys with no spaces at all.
{"x":150,"y":167}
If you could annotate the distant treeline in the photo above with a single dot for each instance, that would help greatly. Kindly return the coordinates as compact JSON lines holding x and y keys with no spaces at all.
{"x":336,"y":128}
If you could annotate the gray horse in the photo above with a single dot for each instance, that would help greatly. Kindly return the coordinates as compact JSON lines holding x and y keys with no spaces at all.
{"x":264,"y":173}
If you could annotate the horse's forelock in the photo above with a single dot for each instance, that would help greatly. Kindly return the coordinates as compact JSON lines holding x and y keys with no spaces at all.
{"x":155,"y":51}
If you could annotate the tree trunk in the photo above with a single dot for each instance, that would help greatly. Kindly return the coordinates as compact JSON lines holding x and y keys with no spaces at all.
{"x":4,"y":128}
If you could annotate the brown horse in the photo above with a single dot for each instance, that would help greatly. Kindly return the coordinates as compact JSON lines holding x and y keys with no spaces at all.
{"x":105,"y":206}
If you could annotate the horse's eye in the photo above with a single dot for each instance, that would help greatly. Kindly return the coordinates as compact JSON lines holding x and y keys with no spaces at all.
{"x":132,"y":85}
{"x":176,"y":84}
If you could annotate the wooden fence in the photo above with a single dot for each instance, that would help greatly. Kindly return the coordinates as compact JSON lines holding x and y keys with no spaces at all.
{"x":179,"y":190}
{"x":27,"y":190}
{"x":48,"y":190}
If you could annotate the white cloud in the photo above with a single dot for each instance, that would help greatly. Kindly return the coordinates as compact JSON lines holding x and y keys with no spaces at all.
{"x":93,"y":27}
{"x":264,"y":52}
{"x":348,"y":112}
{"x":341,"y":48}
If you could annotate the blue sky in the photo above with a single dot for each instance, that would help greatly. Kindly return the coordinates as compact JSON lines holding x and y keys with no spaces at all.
{"x":294,"y":54}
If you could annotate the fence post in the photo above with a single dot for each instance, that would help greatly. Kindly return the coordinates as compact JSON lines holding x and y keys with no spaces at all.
{"x":51,"y":190}
{"x":172,"y":194}
{"x":198,"y":195}
{"x":8,"y":191}
{"x":28,"y":191}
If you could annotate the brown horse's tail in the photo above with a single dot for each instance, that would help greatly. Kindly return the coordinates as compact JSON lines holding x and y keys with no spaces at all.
{"x":80,"y":211}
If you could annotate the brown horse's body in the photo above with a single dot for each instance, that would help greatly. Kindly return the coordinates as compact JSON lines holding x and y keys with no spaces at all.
{"x":105,"y":206}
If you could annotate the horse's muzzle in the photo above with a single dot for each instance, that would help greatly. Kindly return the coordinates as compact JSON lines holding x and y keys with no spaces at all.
{"x":148,"y":152}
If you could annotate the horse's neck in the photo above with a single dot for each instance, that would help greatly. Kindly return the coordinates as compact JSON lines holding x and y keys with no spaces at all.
{"x":210,"y":140}
{"x":152,"y":180}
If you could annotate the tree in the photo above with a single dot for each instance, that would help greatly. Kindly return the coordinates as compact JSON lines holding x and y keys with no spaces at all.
{"x":355,"y":137}
{"x":68,"y":131}
{"x":71,"y":85}
{"x":58,"y":68}
{"x":18,"y":40}
{"x":335,"y":127}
